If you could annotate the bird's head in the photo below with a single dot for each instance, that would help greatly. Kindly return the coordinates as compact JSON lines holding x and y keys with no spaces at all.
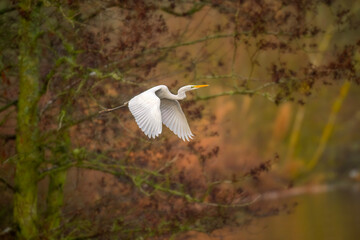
{"x":190,"y":88}
{"x":184,"y":89}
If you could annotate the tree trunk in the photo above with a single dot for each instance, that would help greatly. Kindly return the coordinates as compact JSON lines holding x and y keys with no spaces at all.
{"x":27,"y":139}
{"x":55,"y":197}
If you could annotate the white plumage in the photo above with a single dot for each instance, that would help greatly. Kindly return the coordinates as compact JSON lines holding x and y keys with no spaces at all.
{"x":158,"y":106}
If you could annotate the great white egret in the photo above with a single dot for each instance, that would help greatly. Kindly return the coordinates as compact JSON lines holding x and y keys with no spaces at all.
{"x":157,"y":106}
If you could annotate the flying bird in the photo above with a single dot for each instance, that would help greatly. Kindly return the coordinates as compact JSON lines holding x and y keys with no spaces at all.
{"x":157,"y":106}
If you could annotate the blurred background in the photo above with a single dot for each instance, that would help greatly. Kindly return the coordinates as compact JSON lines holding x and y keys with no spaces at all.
{"x":277,"y":141}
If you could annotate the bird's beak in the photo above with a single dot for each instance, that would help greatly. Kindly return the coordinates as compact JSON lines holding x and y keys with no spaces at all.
{"x":200,"y":86}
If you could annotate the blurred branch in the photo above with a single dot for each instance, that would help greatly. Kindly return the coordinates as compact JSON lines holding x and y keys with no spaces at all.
{"x":5,"y":118}
{"x":176,"y":45}
{"x":235,"y":44}
{"x":228,"y":76}
{"x":80,"y":120}
{"x":101,"y":166}
{"x":196,"y":200}
{"x":241,"y":92}
{"x":6,"y":106}
{"x":113,"y":109}
{"x":200,"y":40}
{"x":7,"y":137}
{"x":140,"y":180}
{"x":196,"y":7}
{"x":56,"y":169}
{"x":216,"y":36}
{"x":6,"y":10}
{"x":204,"y":39}
{"x":295,"y":132}
{"x":228,"y":93}
{"x":52,"y":72}
{"x":329,"y":125}
{"x":8,"y":185}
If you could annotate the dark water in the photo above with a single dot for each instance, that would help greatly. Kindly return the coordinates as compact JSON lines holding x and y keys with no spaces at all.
{"x":330,"y":215}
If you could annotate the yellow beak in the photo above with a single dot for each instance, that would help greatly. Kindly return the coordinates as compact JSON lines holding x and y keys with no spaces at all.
{"x":200,"y":86}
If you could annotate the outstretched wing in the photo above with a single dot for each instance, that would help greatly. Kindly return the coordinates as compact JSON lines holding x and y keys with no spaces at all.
{"x":145,"y":108}
{"x":174,"y":118}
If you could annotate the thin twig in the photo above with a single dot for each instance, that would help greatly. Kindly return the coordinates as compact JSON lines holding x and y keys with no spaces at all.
{"x":78,"y":121}
{"x":113,"y":109}
{"x":241,"y":92}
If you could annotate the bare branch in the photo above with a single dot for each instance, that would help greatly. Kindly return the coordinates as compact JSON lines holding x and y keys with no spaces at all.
{"x":113,"y":109}
{"x":6,"y":106}
{"x":8,"y":185}
{"x":241,"y":92}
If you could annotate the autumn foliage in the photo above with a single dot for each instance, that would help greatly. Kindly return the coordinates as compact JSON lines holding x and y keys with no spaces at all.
{"x":98,"y":54}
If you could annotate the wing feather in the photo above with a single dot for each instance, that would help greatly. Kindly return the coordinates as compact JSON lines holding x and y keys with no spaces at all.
{"x":145,"y":108}
{"x":174,"y":118}
{"x":150,"y":111}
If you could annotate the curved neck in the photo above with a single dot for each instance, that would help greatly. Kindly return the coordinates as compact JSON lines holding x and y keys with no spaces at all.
{"x":182,"y":92}
{"x":181,"y":95}
{"x":165,"y":93}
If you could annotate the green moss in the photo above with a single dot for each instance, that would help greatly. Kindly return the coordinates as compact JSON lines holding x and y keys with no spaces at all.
{"x":55,"y":197}
{"x":27,"y":139}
